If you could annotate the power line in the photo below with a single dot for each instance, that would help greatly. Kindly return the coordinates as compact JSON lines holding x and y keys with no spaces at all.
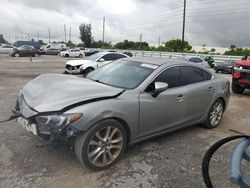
{"x":160,"y":7}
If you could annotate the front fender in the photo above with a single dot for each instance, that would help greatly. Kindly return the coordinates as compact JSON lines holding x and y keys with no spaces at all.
{"x":125,"y":107}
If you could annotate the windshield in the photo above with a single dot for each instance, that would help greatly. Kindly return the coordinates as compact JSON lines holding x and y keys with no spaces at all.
{"x":231,"y":62}
{"x":95,"y":57}
{"x":123,"y":74}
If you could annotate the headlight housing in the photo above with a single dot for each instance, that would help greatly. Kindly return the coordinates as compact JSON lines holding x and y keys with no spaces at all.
{"x":58,"y":120}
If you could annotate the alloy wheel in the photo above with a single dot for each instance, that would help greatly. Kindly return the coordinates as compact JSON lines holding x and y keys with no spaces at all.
{"x":216,"y":114}
{"x":105,"y":146}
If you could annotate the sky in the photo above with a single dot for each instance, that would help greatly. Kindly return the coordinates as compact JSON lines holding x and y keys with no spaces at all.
{"x":210,"y":22}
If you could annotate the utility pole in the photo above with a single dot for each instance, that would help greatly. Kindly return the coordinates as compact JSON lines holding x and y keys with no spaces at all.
{"x":70,"y":33}
{"x":37,"y":35}
{"x":49,"y":35}
{"x":103,"y":30}
{"x":183,"y":27}
{"x":159,"y":41}
{"x":140,"y":40}
{"x":65,"y":34}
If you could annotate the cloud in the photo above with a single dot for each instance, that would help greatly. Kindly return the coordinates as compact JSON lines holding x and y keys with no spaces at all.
{"x":214,"y":23}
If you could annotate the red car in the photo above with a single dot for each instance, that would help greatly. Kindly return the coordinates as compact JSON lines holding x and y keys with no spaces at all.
{"x":241,"y":76}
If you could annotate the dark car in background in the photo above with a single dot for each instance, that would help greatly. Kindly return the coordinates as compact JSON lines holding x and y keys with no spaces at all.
{"x":224,"y":67}
{"x":27,"y":43}
{"x":25,"y":51}
{"x":130,"y":54}
{"x":91,"y":52}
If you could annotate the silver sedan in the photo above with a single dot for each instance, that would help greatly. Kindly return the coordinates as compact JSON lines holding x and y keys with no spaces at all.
{"x":119,"y":104}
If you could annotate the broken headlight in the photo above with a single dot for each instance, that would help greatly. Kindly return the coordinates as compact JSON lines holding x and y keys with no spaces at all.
{"x":58,"y":120}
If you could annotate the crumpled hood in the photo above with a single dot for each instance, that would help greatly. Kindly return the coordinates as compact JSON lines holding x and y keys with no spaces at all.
{"x":53,"y":92}
{"x":77,"y":62}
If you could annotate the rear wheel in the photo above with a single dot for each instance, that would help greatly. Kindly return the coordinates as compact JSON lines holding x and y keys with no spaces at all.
{"x":17,"y":55}
{"x":236,"y":88}
{"x":102,"y":145}
{"x":215,"y":115}
{"x":80,"y":55}
{"x":66,"y":55}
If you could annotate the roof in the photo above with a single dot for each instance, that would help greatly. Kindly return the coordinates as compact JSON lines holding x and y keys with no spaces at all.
{"x":156,"y":60}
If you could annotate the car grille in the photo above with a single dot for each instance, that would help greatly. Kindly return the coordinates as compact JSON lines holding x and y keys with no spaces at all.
{"x":69,"y":67}
{"x":245,"y":76}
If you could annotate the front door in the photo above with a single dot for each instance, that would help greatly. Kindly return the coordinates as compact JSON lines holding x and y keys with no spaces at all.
{"x":165,"y":111}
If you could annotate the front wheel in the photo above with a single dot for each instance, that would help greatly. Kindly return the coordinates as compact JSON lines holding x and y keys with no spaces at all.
{"x":88,"y":70}
{"x":102,"y":145}
{"x":215,"y":115}
{"x":80,"y":55}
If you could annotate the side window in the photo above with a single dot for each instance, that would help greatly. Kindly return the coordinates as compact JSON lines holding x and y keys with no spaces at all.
{"x":198,"y":60}
{"x":191,"y":75}
{"x":108,"y":57}
{"x":171,"y":76}
{"x":192,"y":60}
{"x":118,"y":56}
{"x":195,"y":60}
{"x":206,"y":75}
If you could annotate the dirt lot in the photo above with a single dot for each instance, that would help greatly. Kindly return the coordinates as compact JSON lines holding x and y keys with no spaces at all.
{"x":172,"y":160}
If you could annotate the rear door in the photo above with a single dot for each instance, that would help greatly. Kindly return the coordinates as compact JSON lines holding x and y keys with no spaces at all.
{"x":165,"y":111}
{"x":200,"y":92}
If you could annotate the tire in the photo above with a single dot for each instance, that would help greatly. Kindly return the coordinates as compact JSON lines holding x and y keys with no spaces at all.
{"x":236,"y":88}
{"x":215,"y":114}
{"x":80,"y":55}
{"x":88,"y":70}
{"x":36,"y":55}
{"x":17,"y":55}
{"x":66,"y":55}
{"x":216,"y":71}
{"x":89,"y":147}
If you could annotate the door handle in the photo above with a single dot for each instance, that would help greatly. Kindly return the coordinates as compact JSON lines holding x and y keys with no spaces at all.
{"x":180,"y":98}
{"x":211,"y":89}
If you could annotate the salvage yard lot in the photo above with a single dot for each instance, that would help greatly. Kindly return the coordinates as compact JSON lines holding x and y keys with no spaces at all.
{"x":172,"y":160}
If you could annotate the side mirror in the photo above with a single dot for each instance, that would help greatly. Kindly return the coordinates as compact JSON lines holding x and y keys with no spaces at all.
{"x":159,"y":87}
{"x":101,"y":60}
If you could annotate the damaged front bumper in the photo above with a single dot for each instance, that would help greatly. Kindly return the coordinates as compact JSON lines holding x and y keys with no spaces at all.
{"x":48,"y":134}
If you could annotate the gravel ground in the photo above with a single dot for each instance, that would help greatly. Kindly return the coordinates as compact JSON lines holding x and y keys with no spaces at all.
{"x":172,"y":160}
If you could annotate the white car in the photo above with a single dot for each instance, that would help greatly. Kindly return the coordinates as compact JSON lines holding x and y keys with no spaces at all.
{"x":6,"y":49}
{"x":92,"y":62}
{"x":72,"y":53}
{"x":197,"y":60}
